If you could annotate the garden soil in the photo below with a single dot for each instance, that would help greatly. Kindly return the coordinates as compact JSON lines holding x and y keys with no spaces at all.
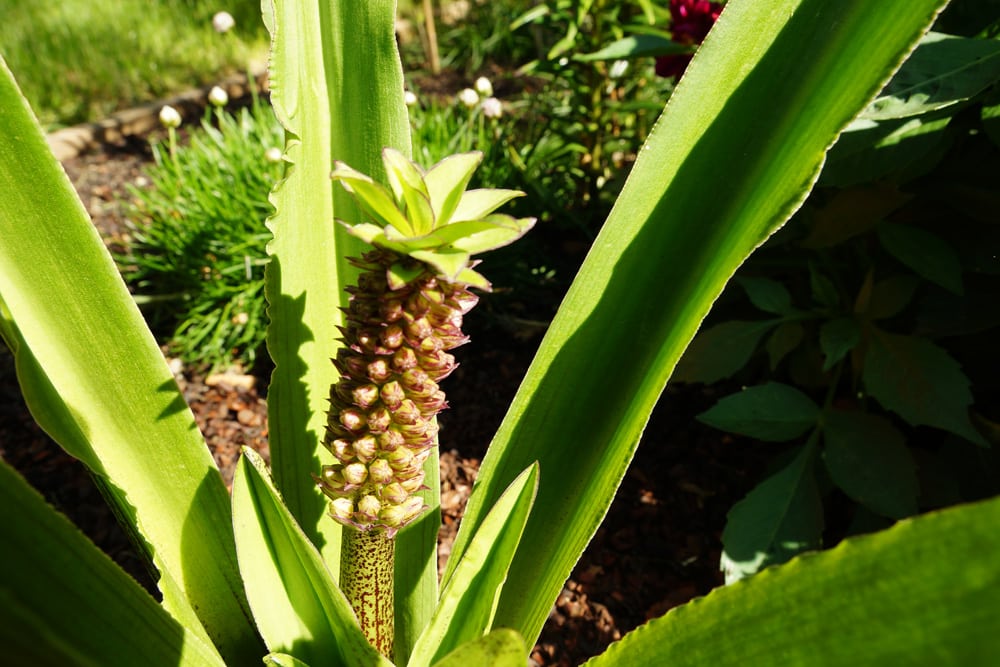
{"x":658,"y":547}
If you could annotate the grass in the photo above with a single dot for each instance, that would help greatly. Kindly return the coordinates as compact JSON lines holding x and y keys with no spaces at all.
{"x":78,"y":61}
{"x":197,"y":254}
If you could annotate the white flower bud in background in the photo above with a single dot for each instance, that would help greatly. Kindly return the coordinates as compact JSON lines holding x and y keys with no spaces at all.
{"x":484,"y":87}
{"x":240,"y":319}
{"x":618,"y":69}
{"x":169,"y":117}
{"x":273,"y":154}
{"x":410,"y":98}
{"x":492,"y":108}
{"x":468,"y":97}
{"x":223,"y":22}
{"x":218,"y":97}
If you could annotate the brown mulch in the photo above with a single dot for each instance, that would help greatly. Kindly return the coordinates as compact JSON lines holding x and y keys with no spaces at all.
{"x":658,"y":547}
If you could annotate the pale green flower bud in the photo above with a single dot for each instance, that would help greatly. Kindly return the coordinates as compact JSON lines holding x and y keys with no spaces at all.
{"x":380,"y":471}
{"x":342,"y":508}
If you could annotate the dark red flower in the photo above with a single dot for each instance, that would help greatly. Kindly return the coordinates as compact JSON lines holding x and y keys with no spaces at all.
{"x":690,"y":22}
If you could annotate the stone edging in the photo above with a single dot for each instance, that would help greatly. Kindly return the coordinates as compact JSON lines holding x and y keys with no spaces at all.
{"x":70,"y":142}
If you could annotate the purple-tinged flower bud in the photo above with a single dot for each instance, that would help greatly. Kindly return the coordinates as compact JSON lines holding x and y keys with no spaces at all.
{"x":365,"y":448}
{"x":412,"y":507}
{"x":355,"y":474}
{"x":400,"y":459}
{"x":342,"y":449}
{"x":407,"y":413}
{"x":379,"y":419}
{"x":370,"y":506}
{"x":415,"y":483}
{"x":381,"y":472}
{"x":392,"y":394}
{"x":419,"y":329}
{"x":392,"y":310}
{"x":365,"y":395}
{"x":404,"y":359}
{"x":394,"y":493}
{"x":378,"y":371}
{"x":392,"y":336}
{"x":342,"y":509}
{"x":390,"y":440}
{"x":353,"y":420}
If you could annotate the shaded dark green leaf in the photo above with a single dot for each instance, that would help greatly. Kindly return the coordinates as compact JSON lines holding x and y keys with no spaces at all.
{"x":780,"y":518}
{"x":783,"y":340}
{"x":774,"y":412}
{"x":767,"y":294}
{"x":868,"y":151}
{"x":925,"y":252}
{"x":920,"y":382}
{"x":824,"y":292}
{"x":890,"y":296}
{"x":867,"y":458}
{"x":943,"y":70}
{"x":837,"y":338}
{"x":720,"y":351}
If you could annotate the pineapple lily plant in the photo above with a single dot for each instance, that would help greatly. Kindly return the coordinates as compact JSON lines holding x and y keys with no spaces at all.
{"x":405,"y":314}
{"x":254,"y":576}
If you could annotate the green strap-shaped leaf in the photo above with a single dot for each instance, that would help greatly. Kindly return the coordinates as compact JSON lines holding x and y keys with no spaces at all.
{"x":470,"y":596}
{"x":63,"y":601}
{"x":500,"y":648}
{"x":296,"y":604}
{"x":337,"y":88}
{"x":923,"y":593}
{"x":737,"y":149}
{"x":95,"y":380}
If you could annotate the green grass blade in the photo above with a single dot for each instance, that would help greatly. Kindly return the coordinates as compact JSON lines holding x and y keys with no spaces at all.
{"x":63,"y":601}
{"x":337,"y":88}
{"x":94,"y":378}
{"x":923,"y":592}
{"x":297,"y":605}
{"x":468,"y":603}
{"x":737,"y":149}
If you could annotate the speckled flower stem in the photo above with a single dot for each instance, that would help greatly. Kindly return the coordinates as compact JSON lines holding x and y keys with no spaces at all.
{"x":367,"y":559}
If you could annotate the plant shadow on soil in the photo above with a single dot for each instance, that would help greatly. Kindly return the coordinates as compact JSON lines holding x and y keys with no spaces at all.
{"x":658,"y":547}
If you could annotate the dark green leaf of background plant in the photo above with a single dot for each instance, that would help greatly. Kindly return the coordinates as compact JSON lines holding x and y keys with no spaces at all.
{"x":767,"y":294}
{"x":924,"y":252}
{"x":896,"y":597}
{"x":867,"y":458}
{"x":901,"y":149}
{"x":890,"y":296}
{"x":920,"y":382}
{"x":774,"y":412}
{"x":720,"y":351}
{"x":822,"y":289}
{"x":778,"y":519}
{"x":785,"y":338}
{"x":942,"y":70}
{"x":837,"y":337}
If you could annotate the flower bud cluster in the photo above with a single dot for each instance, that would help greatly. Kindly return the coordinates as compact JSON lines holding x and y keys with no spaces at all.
{"x":381,"y":425}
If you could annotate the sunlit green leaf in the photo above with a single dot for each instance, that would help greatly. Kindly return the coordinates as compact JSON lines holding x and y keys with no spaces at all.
{"x":892,"y":598}
{"x":722,"y":169}
{"x":296,"y":604}
{"x":500,"y":648}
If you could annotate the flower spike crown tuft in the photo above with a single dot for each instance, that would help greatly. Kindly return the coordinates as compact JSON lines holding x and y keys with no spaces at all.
{"x":430,"y":217}
{"x":404,"y":315}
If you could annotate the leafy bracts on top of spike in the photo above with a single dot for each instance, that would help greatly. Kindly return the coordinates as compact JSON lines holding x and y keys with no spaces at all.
{"x":404,"y":315}
{"x":430,"y":216}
